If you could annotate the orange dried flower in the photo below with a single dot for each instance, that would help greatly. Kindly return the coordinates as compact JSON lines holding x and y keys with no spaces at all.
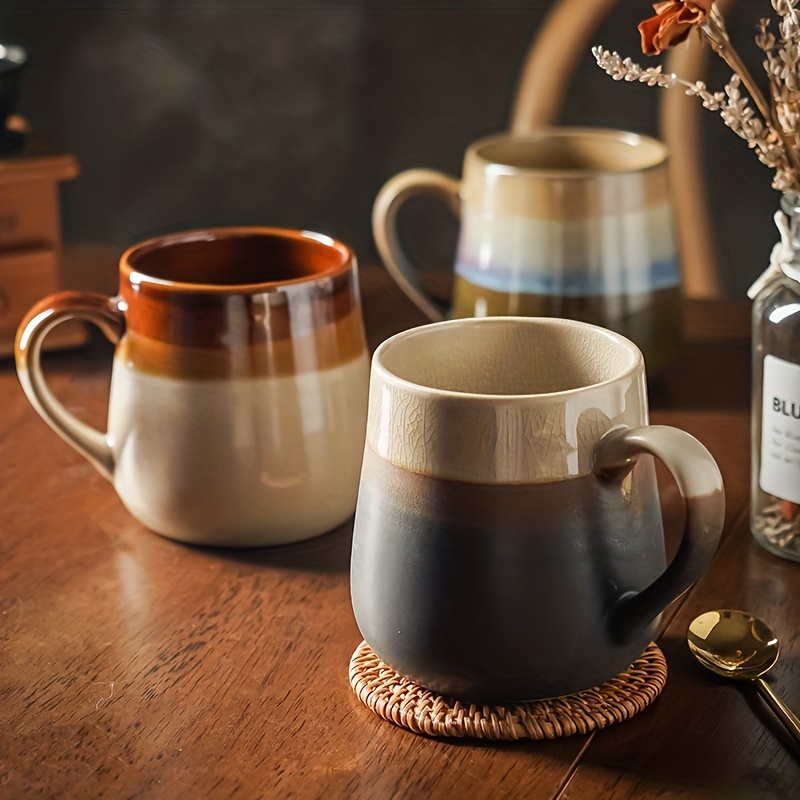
{"x":672,"y":23}
{"x":789,"y":510}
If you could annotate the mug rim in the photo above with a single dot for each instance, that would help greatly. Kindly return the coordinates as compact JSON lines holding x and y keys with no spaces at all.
{"x":387,"y":376}
{"x":566,"y":133}
{"x":136,"y":276}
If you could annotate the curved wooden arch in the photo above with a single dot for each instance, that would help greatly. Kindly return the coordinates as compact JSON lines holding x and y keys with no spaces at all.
{"x":562,"y":38}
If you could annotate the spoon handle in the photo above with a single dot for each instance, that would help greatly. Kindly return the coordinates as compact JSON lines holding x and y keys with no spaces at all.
{"x":785,"y":714}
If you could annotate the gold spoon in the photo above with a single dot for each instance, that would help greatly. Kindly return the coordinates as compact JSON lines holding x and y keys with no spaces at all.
{"x":735,"y":645}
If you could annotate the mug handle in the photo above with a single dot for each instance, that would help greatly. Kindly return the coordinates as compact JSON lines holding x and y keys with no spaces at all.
{"x":106,"y":313}
{"x":384,"y":229}
{"x":699,"y":483}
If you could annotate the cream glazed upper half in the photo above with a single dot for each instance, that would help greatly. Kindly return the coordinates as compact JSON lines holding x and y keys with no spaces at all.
{"x":502,"y":400}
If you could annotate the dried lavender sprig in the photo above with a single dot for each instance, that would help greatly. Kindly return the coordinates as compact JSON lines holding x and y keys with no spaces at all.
{"x":782,"y":65}
{"x":624,"y":69}
{"x":716,"y":35}
{"x":730,"y":104}
{"x":714,"y":32}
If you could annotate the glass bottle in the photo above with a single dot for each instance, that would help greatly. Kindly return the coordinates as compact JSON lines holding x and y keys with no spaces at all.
{"x":775,"y":479}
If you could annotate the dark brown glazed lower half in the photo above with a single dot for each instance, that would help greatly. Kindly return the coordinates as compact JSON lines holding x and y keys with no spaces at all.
{"x":501,"y":592}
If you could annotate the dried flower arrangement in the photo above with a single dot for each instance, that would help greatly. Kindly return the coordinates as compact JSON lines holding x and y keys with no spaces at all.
{"x":772,"y":129}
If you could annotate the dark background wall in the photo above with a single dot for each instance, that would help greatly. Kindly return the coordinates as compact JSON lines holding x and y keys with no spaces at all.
{"x":186,"y":113}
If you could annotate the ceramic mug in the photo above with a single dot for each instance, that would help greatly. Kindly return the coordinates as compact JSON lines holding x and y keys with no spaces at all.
{"x":508,"y":540}
{"x":565,"y":222}
{"x":239,"y":388}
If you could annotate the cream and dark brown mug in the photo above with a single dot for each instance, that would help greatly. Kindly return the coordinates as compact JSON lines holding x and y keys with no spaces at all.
{"x":508,"y":541}
{"x":239,"y":388}
{"x":564,"y":222}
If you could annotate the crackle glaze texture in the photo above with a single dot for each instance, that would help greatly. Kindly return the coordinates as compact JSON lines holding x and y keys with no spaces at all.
{"x":508,"y":504}
{"x":555,"y":390}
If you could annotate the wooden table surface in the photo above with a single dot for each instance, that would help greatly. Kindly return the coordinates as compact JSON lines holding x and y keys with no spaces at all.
{"x":133,"y":666}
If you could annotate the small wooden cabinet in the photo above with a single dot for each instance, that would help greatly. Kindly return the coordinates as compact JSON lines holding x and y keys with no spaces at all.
{"x":30,"y":236}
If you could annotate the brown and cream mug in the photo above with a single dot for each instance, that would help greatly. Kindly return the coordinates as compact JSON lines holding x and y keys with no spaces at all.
{"x":508,"y":541}
{"x":238,"y":395}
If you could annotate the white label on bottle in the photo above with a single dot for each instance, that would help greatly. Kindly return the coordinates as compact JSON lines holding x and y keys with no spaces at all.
{"x":780,"y":429}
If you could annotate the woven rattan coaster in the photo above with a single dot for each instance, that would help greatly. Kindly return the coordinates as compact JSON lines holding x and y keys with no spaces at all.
{"x":403,"y":702}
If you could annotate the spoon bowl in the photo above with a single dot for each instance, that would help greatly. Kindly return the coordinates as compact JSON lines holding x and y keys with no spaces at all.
{"x":733,"y":644}
{"x":737,"y":645}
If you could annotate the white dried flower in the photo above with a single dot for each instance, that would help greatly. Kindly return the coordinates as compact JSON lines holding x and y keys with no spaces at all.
{"x":624,"y":69}
{"x":771,"y":128}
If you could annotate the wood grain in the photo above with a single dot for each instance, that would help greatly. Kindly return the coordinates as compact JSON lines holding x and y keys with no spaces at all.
{"x":706,"y":737}
{"x":132,"y":666}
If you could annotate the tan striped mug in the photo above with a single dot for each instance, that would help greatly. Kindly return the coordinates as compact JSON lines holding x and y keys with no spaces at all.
{"x":565,"y":222}
{"x":239,"y":389}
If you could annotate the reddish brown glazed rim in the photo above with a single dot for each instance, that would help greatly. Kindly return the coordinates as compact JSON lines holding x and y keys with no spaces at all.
{"x":133,"y":275}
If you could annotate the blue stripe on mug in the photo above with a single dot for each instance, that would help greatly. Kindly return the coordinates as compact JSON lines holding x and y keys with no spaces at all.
{"x":596,"y":281}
